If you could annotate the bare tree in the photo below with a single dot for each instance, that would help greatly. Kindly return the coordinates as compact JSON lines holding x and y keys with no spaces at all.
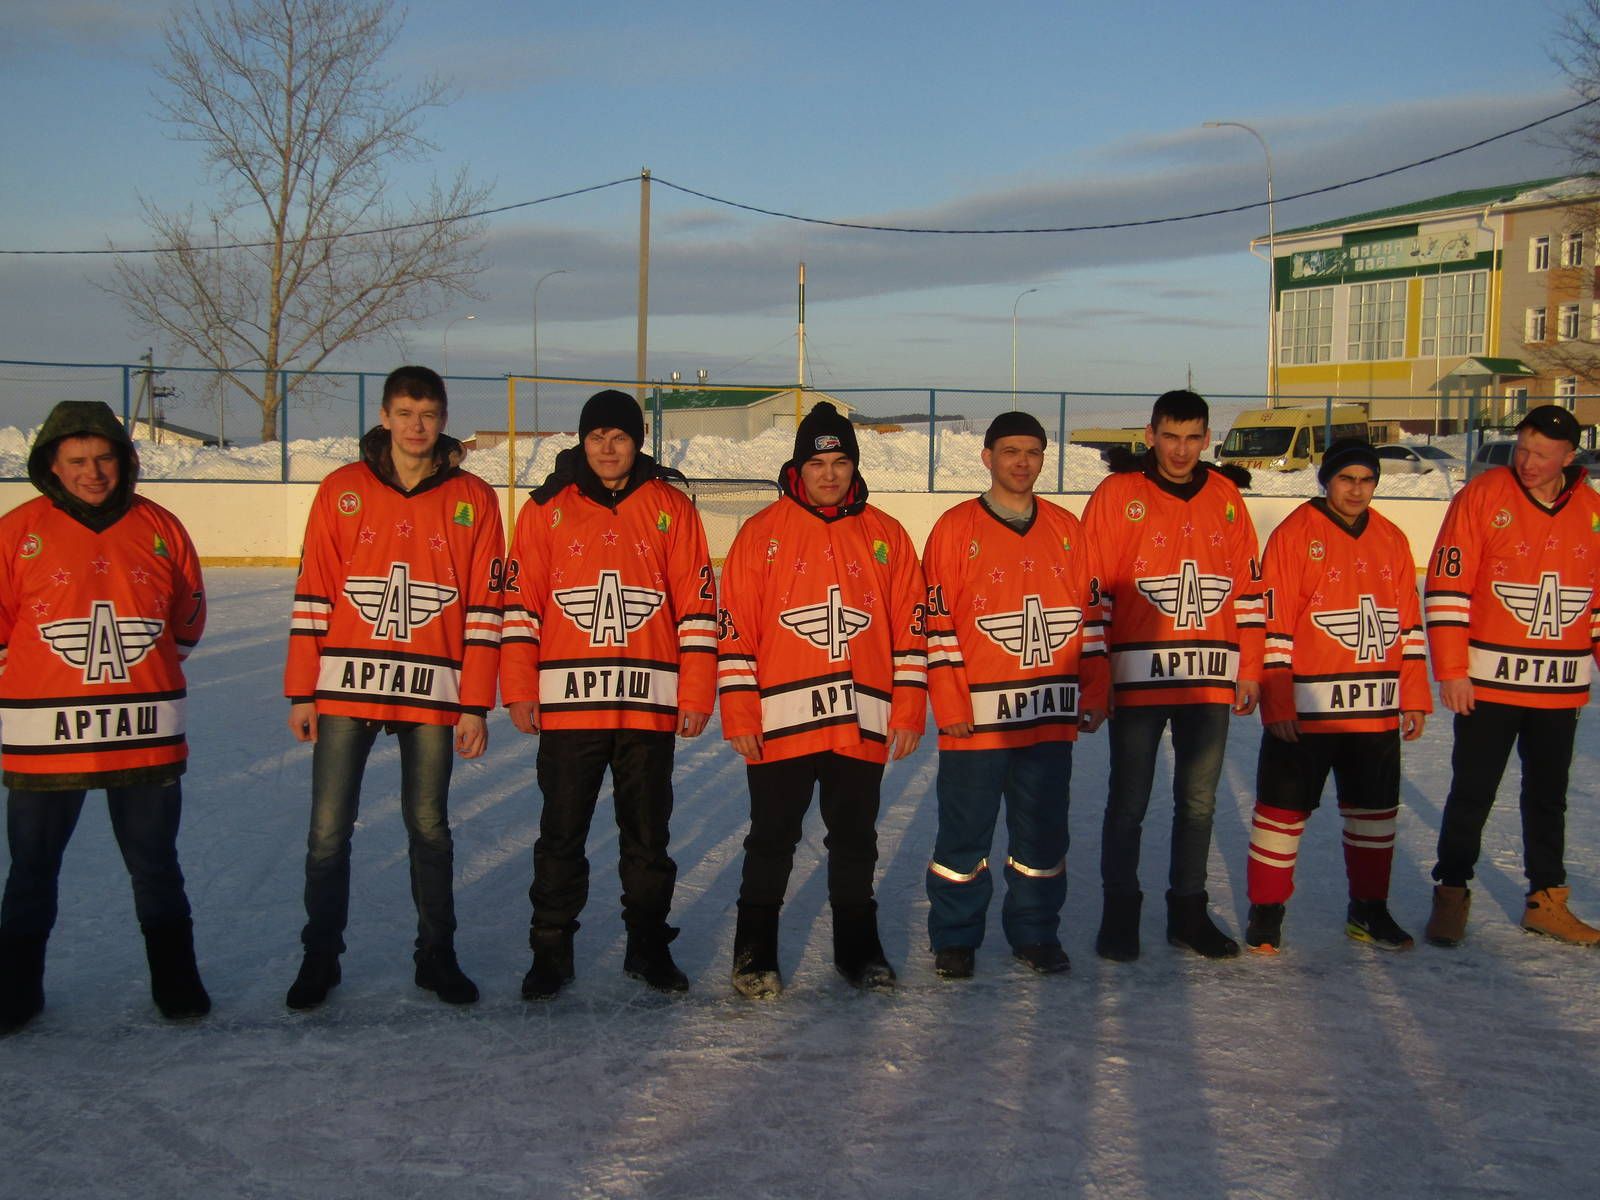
{"x":299,"y":126}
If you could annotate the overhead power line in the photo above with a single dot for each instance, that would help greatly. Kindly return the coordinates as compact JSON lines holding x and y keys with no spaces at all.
{"x":866,"y":226}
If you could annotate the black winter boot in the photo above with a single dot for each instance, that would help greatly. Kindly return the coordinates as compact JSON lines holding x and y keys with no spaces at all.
{"x":1118,"y":938}
{"x":857,"y":952}
{"x":755,"y":953}
{"x":647,"y":959}
{"x":21,"y":981}
{"x":174,"y":978}
{"x":319,"y":975}
{"x":552,"y":966}
{"x":1189,"y":926}
{"x":440,"y":973}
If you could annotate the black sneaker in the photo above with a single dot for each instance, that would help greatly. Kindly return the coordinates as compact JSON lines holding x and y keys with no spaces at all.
{"x":319,"y":975}
{"x":1263,"y":931}
{"x":1369,"y":921}
{"x":1045,"y":958}
{"x":1190,"y":927}
{"x":953,"y":962}
{"x":439,"y":973}
{"x":647,"y":959}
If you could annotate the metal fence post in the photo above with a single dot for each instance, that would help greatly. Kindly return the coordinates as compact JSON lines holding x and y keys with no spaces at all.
{"x":1061,"y":444}
{"x":361,"y":405}
{"x":283,"y":438}
{"x":127,"y":394}
{"x":933,"y":432}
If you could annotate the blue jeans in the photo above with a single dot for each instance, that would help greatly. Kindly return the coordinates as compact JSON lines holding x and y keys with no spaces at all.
{"x":427,"y":753}
{"x":144,"y":818}
{"x":1199,"y":740}
{"x":1035,"y":782}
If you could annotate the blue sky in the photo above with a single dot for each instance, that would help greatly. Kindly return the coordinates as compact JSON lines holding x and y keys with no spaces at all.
{"x":1005,"y":113}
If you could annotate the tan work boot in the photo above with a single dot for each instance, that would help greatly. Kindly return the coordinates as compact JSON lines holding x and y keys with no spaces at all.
{"x":1547,"y":913}
{"x":1447,"y":924}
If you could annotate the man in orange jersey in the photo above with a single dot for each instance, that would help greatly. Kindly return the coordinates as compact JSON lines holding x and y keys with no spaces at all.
{"x":396,"y":629}
{"x":1513,"y":618}
{"x":1183,"y":627}
{"x":1345,"y":679}
{"x":822,"y":661}
{"x":100,"y":601}
{"x":610,"y":652}
{"x":1011,"y":679}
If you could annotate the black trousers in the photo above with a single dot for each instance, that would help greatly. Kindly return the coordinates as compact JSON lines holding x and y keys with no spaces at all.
{"x":1484,"y":737}
{"x":1365,"y":767}
{"x":780,"y":793}
{"x":571,"y":767}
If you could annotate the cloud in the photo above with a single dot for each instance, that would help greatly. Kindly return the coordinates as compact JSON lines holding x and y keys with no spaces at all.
{"x":26,"y":25}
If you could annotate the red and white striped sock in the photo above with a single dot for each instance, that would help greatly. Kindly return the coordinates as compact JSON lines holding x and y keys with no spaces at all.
{"x":1368,"y":850}
{"x":1274,"y":846}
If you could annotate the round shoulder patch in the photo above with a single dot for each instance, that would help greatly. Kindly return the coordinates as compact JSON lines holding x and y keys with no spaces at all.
{"x":555,"y":517}
{"x":30,"y":546}
{"x":349,"y":504}
{"x":1135,"y":510}
{"x":1316,"y":550}
{"x":972,"y":548}
{"x":1502,"y":518}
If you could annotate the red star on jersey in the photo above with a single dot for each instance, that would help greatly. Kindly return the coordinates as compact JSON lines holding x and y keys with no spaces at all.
{"x":641,"y":548}
{"x":41,"y":609}
{"x":1216,"y":539}
{"x":437,"y":543}
{"x":978,"y":603}
{"x":558,"y":576}
{"x":661,"y":579}
{"x":1580,"y":551}
{"x":1500,"y":568}
{"x":997,"y":576}
{"x":1523,"y":548}
{"x":62,"y":576}
{"x":451,"y":572}
{"x":1188,"y":529}
{"x":1361,"y":566}
{"x":403,"y":528}
{"x":609,"y":537}
{"x":1334,"y":574}
{"x":574,"y":548}
{"x":140,"y":575}
{"x":1027,"y":566}
{"x":1139,"y":564}
{"x":828,"y":553}
{"x":1551,"y":543}
{"x":101,"y":565}
{"x":368,"y":535}
{"x":852,"y":568}
{"x":1316,"y":597}
{"x":1386,"y":572}
{"x":1159,"y":539}
{"x":1057,"y":570}
{"x":799,"y":566}
{"x":869,"y":599}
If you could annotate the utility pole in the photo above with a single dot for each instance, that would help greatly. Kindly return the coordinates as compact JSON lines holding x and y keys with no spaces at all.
{"x":644,"y":284}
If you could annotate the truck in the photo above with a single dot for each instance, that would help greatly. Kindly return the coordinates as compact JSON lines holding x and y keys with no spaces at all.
{"x":1130,"y":437}
{"x":1288,"y":439}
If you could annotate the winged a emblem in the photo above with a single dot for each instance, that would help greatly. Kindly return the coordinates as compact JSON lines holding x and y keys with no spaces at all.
{"x":608,"y":612}
{"x":105,"y":645}
{"x":1187,"y":597}
{"x":830,"y":625}
{"x":1033,"y":633}
{"x":396,"y":605}
{"x":1546,"y":607}
{"x":1367,"y":629}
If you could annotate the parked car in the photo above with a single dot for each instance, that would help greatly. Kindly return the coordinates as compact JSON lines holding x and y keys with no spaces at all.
{"x":1403,"y":458}
{"x":1495,"y":454}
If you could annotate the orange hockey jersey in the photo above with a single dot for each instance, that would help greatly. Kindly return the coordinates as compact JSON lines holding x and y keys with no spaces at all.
{"x":93,"y":627}
{"x":1006,"y":617}
{"x":1511,"y":597}
{"x":397,"y":610}
{"x":823,"y":642}
{"x":612,"y":621}
{"x":1173,"y":576}
{"x":1345,"y":651}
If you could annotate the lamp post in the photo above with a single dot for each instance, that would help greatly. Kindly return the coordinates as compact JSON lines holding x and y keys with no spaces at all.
{"x":538,"y":283}
{"x":1272,"y":260}
{"x":445,"y":344}
{"x":1014,"y":304}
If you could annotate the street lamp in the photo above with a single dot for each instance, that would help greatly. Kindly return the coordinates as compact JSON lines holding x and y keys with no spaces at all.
{"x":1272,"y":259}
{"x":446,"y":344}
{"x":1014,"y":304}
{"x":538,"y":283}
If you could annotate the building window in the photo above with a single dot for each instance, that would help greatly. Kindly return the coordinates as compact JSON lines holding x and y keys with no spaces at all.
{"x":1518,"y":396}
{"x":1453,"y":311}
{"x":1307,"y":321}
{"x":1377,"y":321}
{"x":1567,"y":323}
{"x":1539,"y":254}
{"x":1533,"y":326}
{"x":1567,"y":389}
{"x":1572,"y":250}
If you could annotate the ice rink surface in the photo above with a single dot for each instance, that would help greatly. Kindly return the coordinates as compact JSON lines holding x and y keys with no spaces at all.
{"x":1332,"y":1070}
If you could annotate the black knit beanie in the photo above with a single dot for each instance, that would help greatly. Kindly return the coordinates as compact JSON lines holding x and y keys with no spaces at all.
{"x":1014,"y":424}
{"x":1345,"y":451}
{"x":612,"y":409}
{"x":825,"y":430}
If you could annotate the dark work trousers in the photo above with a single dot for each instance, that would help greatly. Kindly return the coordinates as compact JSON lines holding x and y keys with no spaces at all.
{"x":571,"y":767}
{"x":1484,"y":737}
{"x":144,"y":818}
{"x":780,"y":793}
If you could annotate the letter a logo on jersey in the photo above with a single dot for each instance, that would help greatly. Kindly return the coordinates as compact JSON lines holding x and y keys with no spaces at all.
{"x":1187,"y":597}
{"x":1547,"y":608}
{"x":1368,"y":630}
{"x":1035,"y":633}
{"x":395,"y":605}
{"x":105,"y":645}
{"x":609,"y":612}
{"x":829,"y":626}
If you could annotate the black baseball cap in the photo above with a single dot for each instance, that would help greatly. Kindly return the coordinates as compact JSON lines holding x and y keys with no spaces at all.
{"x":1553,"y":421}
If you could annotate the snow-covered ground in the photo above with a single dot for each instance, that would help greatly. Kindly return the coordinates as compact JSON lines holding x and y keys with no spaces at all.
{"x":1332,"y":1070}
